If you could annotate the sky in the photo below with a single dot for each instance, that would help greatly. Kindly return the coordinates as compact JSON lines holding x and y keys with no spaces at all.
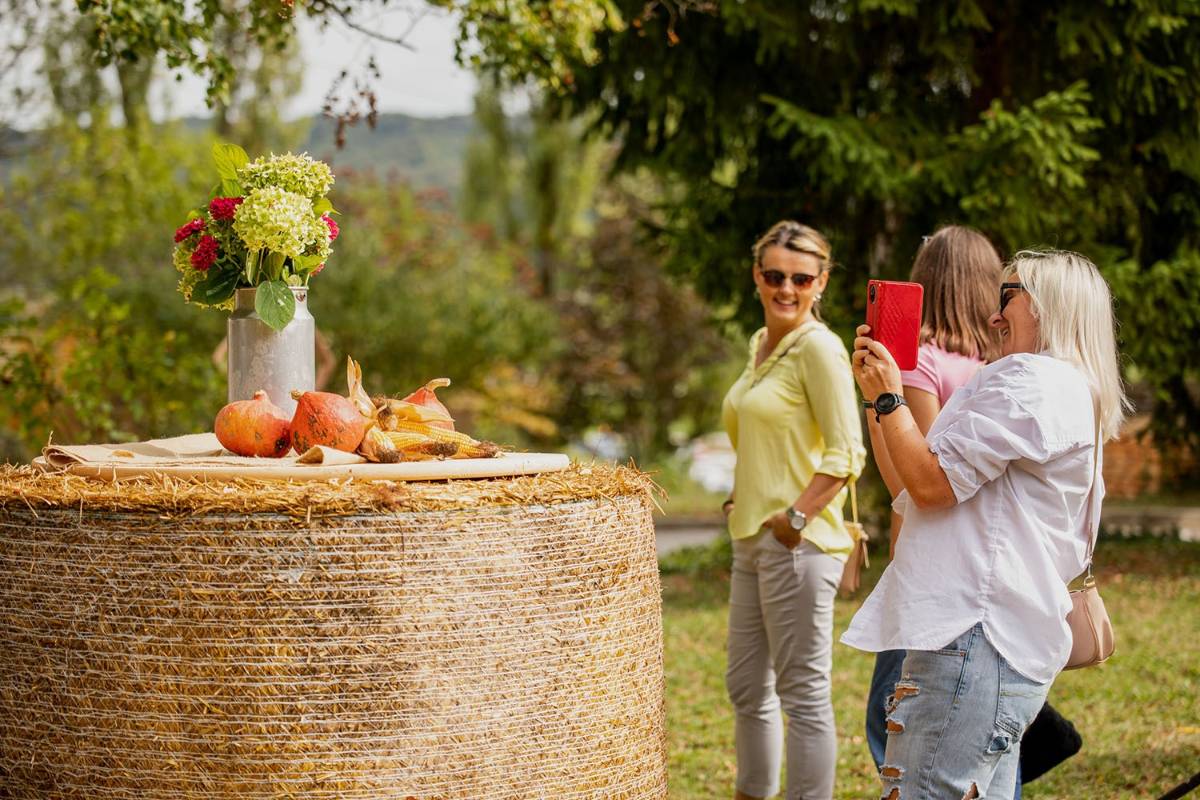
{"x":423,"y":81}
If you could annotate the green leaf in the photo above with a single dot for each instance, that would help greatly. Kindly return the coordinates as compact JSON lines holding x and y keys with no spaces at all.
{"x":305,"y":263}
{"x":275,"y":265}
{"x":323,"y":206}
{"x":275,"y":304}
{"x":231,"y":188}
{"x":229,"y":159}
{"x":217,"y":287}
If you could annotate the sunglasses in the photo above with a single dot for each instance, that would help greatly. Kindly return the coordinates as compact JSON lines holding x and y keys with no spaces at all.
{"x":1006,"y":293}
{"x":774,"y":278}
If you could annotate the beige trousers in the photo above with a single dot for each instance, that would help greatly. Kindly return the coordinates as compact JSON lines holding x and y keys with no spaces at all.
{"x":780,"y":657}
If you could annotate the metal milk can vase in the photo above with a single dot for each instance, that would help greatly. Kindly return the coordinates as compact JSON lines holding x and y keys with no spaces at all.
{"x":274,"y":361}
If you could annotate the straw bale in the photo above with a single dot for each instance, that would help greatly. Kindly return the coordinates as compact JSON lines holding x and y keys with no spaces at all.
{"x":464,"y":639}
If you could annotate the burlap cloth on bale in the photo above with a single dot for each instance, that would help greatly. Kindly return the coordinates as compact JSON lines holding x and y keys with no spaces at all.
{"x":469,"y":639}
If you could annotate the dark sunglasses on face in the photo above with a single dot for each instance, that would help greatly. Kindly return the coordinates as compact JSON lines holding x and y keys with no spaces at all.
{"x":774,"y":278}
{"x":1007,"y":290}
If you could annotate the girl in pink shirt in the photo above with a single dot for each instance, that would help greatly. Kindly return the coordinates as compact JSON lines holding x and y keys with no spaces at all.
{"x":939,"y":372}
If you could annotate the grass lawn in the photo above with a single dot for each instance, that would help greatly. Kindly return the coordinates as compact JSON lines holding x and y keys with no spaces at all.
{"x":1139,"y":714}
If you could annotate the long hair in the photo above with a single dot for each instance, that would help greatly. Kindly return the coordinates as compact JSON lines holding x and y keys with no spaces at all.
{"x":1073,"y":306}
{"x":800,"y":238}
{"x":959,"y":269}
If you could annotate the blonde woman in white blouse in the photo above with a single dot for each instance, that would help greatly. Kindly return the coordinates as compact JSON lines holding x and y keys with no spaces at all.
{"x":997,"y":502}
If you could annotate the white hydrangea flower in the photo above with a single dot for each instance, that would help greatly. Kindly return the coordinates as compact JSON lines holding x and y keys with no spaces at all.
{"x":279,"y":221}
{"x":294,"y":173}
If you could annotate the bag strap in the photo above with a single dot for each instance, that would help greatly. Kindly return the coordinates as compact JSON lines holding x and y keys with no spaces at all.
{"x":860,"y":535}
{"x":1093,"y":536}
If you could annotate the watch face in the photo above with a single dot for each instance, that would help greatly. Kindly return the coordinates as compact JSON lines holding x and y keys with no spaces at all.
{"x":885,"y":403}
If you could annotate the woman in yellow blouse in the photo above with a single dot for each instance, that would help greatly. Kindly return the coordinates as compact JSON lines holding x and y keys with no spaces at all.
{"x":793,"y":419}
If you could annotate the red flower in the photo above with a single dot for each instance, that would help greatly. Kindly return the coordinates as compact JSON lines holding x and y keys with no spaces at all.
{"x":186,"y":230}
{"x":333,"y":228}
{"x":223,"y":207}
{"x":205,"y":253}
{"x":320,"y":267}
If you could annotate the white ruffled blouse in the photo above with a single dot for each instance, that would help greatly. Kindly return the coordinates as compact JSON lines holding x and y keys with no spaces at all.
{"x":1016,"y":443}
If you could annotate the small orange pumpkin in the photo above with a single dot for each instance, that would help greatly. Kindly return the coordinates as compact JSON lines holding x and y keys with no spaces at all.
{"x":331,"y":420}
{"x":255,"y":427}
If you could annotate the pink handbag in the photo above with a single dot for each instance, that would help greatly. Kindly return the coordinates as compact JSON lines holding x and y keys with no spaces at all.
{"x":1091,"y":630}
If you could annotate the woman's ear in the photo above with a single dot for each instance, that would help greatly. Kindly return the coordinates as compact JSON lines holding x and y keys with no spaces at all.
{"x":822,"y":281}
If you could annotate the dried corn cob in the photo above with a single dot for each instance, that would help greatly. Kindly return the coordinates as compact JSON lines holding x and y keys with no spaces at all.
{"x":376,"y":446}
{"x":417,"y":446}
{"x":467,"y":447}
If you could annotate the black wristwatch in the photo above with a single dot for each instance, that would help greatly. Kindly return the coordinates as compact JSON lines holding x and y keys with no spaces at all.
{"x":886,"y":403}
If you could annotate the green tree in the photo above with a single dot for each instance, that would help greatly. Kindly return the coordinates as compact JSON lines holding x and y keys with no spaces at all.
{"x":94,"y":343}
{"x":538,"y":37}
{"x":1069,"y":124}
{"x":263,"y":79}
{"x":89,"y":350}
{"x":643,"y":358}
{"x":413,"y":295}
{"x":489,"y":197}
{"x":20,"y":36}
{"x":540,"y":180}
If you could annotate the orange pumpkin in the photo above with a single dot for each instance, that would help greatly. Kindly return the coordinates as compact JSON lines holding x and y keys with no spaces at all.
{"x":331,"y":420}
{"x":255,"y":427}
{"x":427,"y":396}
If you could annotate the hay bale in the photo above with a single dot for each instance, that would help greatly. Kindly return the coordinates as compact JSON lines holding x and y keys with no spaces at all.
{"x":476,"y":639}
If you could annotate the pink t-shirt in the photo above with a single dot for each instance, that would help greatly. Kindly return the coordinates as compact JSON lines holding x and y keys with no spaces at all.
{"x":940,"y":372}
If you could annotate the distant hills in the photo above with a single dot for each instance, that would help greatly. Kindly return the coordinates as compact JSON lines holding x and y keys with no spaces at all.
{"x":426,"y":152}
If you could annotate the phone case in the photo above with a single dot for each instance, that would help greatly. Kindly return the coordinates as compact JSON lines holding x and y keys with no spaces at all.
{"x":894,"y":314}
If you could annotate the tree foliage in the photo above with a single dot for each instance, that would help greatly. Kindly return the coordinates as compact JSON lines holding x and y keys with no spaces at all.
{"x":542,"y":38}
{"x":93,"y":345}
{"x":536,"y":183}
{"x":1069,"y":124}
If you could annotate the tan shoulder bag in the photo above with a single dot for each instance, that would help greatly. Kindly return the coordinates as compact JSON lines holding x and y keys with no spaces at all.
{"x":1091,"y":630}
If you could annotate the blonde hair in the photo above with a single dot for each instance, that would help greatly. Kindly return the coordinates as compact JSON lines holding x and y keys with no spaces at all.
{"x":792,"y":235}
{"x":1073,"y":306}
{"x":799,"y":238}
{"x":959,"y":270}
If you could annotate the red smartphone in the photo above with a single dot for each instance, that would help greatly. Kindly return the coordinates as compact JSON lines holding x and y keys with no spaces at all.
{"x":894,"y":314}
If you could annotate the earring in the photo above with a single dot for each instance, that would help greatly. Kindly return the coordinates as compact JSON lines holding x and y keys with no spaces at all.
{"x":818,"y":297}
{"x":756,"y":294}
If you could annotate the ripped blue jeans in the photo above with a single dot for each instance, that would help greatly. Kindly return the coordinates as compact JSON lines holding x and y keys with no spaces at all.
{"x":955,"y":722}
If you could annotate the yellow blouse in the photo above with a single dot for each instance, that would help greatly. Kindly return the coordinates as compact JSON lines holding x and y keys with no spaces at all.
{"x":792,"y":416}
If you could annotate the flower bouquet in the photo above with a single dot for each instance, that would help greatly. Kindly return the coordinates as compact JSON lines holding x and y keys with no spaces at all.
{"x":268,"y":226}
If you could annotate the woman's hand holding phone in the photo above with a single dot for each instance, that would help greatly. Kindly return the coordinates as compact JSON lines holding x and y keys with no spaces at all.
{"x":874,"y":369}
